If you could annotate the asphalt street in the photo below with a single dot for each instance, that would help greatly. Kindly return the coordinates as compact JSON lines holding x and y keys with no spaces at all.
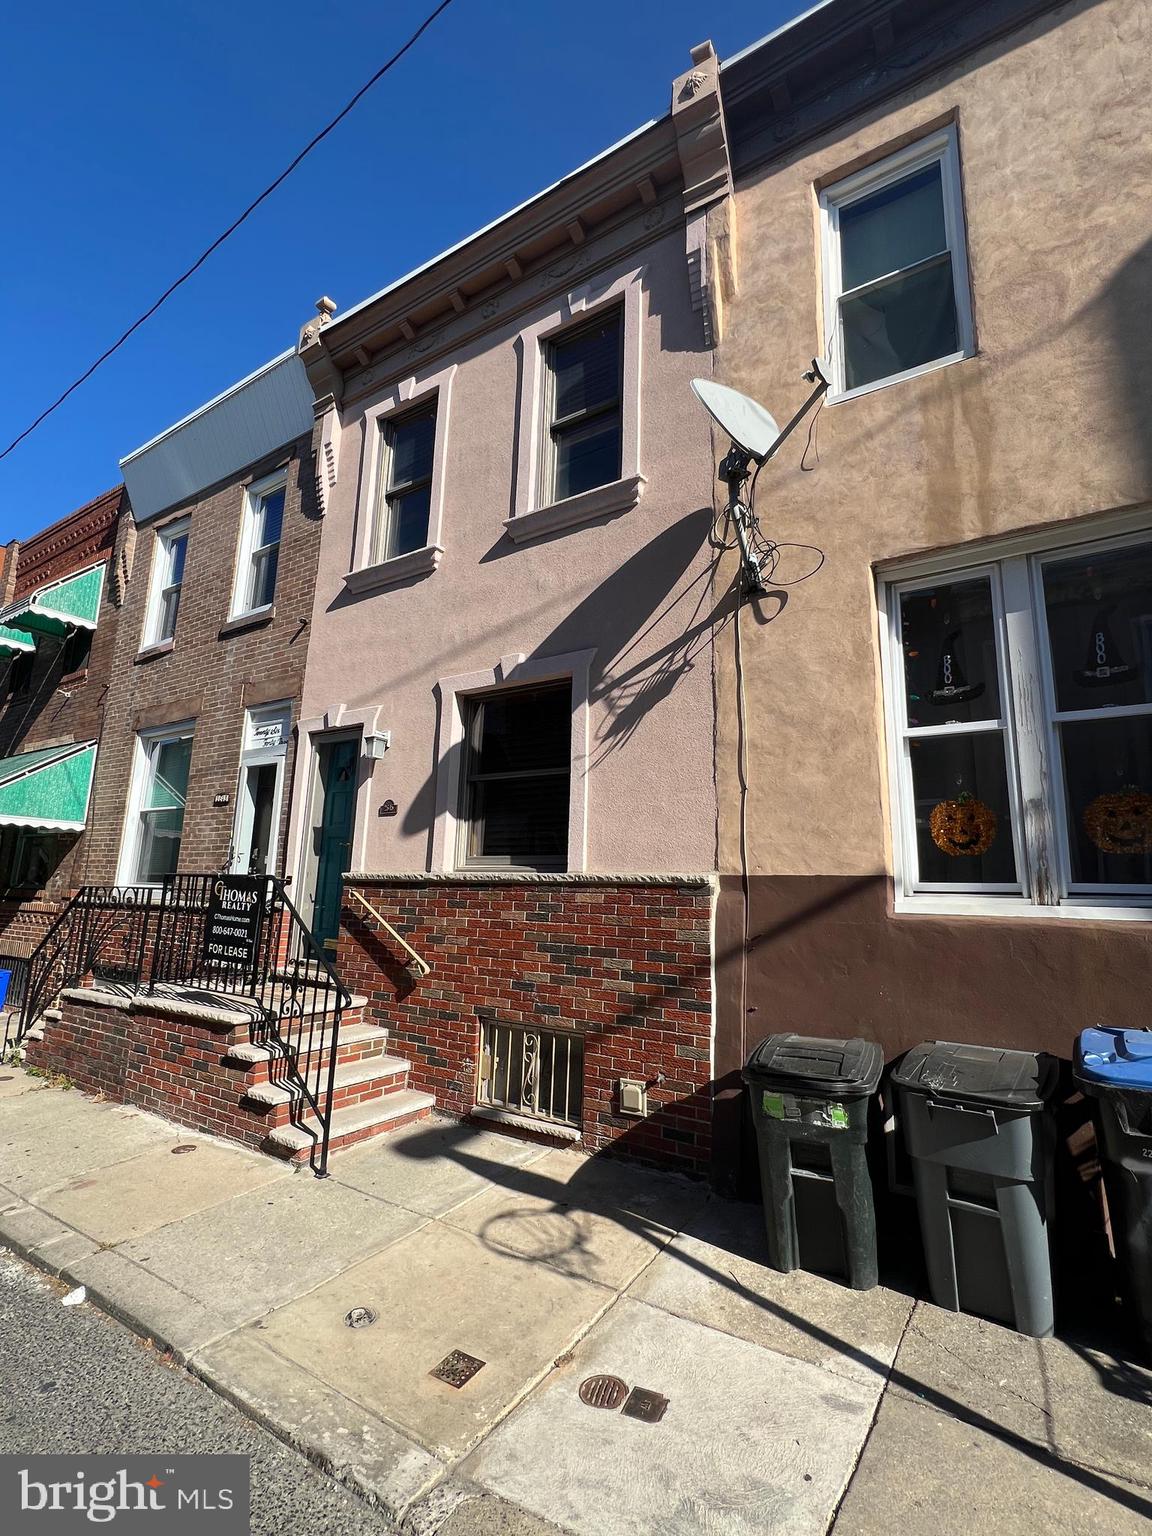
{"x":73,"y":1380}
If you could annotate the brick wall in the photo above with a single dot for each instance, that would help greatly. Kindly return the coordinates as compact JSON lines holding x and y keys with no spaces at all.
{"x":212,"y":672}
{"x":57,"y":704}
{"x":625,"y":963}
{"x":134,"y":1053}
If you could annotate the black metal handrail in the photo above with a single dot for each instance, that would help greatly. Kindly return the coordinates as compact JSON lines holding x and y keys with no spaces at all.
{"x":160,"y":941}
{"x":102,"y":932}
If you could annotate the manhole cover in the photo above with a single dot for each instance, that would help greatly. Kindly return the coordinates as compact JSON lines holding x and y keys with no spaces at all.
{"x":359,"y":1317}
{"x":603,"y":1391}
{"x":645,"y":1404}
{"x":457,"y":1369}
{"x":188,"y":1146}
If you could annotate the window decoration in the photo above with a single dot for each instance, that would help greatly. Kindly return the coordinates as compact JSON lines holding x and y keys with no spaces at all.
{"x":402,"y":517}
{"x":1120,"y":822}
{"x":167,"y":583}
{"x":963,"y":828}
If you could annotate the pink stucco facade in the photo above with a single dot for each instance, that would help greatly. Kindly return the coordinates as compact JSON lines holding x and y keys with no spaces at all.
{"x":621,"y":598}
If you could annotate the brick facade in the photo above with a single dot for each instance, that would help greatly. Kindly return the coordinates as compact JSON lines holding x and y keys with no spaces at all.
{"x":213,"y":670}
{"x":626,"y":962}
{"x":47,"y":701}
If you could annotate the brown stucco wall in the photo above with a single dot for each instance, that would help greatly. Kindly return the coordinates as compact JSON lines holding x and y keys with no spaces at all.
{"x":1050,"y":421}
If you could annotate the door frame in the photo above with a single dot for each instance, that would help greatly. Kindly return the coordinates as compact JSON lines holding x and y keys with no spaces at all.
{"x":255,"y":757}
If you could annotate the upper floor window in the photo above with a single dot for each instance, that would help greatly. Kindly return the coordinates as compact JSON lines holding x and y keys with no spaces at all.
{"x":259,"y":546}
{"x":517,"y":778}
{"x":167,"y":583}
{"x":896,"y":290}
{"x":585,"y":393}
{"x":1064,"y":729}
{"x":405,"y":500}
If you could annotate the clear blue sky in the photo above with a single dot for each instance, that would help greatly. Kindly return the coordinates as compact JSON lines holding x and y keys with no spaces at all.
{"x":136,"y":131}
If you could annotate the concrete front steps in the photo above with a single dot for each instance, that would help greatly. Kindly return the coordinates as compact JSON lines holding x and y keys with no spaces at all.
{"x":370,"y":1093}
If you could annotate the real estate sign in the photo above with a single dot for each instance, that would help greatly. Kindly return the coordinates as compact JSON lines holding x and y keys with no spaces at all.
{"x":232,"y":924}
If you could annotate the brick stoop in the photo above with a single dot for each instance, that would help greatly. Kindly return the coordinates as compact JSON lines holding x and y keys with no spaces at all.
{"x":194,"y":1060}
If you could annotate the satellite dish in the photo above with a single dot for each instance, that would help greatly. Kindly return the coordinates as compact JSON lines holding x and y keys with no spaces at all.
{"x":748,"y":424}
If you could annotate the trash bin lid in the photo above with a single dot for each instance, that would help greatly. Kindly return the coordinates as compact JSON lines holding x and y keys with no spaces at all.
{"x":987,"y":1074}
{"x":1119,"y":1058}
{"x":815,"y":1065}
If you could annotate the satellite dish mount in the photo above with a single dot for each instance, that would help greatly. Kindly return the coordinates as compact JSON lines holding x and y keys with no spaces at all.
{"x":755,"y":438}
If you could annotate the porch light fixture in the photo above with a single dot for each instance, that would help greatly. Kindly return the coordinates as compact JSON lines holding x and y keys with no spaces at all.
{"x":755,"y":439}
{"x":376,"y":744}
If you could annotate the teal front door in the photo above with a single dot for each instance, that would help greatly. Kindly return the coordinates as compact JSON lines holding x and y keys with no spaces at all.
{"x":333,"y":833}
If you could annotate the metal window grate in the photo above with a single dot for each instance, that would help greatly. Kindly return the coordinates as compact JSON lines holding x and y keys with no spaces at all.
{"x":533,"y":1072}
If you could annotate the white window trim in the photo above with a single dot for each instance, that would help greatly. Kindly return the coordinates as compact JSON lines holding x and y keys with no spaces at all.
{"x":1033,"y":757}
{"x":403,"y":397}
{"x":161,"y":566}
{"x":255,"y":757}
{"x":941,"y":146}
{"x":130,"y":839}
{"x":535,"y":513}
{"x":254,"y":494}
{"x":453,"y":695}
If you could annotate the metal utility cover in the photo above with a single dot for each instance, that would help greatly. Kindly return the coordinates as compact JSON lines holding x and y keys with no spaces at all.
{"x":603,"y":1391}
{"x":359,"y":1317}
{"x":457,"y":1369}
{"x":645,"y":1404}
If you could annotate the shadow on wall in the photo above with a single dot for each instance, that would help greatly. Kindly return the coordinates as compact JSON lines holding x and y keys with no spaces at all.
{"x":635,"y":668}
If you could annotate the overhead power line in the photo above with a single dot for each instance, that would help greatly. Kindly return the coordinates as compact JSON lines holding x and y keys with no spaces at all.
{"x":231,"y":230}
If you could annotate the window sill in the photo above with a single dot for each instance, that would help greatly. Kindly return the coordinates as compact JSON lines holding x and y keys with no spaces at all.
{"x":151,"y":652}
{"x":837,"y":397}
{"x":242,"y":621}
{"x":1013,"y":907}
{"x":525,"y":1122}
{"x":601,"y":501}
{"x":417,"y":562}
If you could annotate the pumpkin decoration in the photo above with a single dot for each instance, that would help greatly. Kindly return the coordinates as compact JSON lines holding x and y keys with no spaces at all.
{"x":963,"y":828}
{"x":1121,"y":822}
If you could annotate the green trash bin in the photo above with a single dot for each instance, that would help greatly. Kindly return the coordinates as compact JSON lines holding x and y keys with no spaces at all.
{"x":812,"y":1100}
{"x":977,"y":1128}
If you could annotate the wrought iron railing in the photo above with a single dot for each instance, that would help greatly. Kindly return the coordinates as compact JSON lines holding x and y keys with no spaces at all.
{"x":102,"y":932}
{"x":165,"y":941}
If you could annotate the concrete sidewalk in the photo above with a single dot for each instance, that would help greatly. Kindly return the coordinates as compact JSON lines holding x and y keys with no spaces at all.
{"x":793,"y":1404}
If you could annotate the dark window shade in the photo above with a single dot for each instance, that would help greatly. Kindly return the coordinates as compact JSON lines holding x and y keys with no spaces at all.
{"x":518,"y":776}
{"x":407,"y":500}
{"x":585,"y":427}
{"x":586,"y":370}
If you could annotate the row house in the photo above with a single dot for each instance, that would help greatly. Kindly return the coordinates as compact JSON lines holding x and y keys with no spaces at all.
{"x":60,"y":598}
{"x":512,"y":790}
{"x":945,"y":826}
{"x":437,"y":618}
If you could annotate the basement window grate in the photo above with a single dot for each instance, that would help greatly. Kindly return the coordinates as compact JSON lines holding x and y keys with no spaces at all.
{"x":537,"y":1073}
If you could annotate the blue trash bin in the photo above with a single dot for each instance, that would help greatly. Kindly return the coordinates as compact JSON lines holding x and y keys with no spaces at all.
{"x":5,"y":983}
{"x":1114,"y":1068}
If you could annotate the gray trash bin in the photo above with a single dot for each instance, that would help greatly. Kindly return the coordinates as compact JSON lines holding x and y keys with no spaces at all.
{"x":981,"y":1142}
{"x":811,"y":1103}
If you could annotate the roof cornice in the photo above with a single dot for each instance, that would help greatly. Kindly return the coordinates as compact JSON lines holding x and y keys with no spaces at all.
{"x":842,"y":58}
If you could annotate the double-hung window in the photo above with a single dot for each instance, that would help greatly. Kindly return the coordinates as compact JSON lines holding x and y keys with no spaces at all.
{"x":896,"y":292}
{"x":156,"y":821}
{"x":259,"y":547}
{"x":517,"y":778}
{"x":1019,"y":697}
{"x":585,"y":398}
{"x":167,"y":583}
{"x":405,"y":500}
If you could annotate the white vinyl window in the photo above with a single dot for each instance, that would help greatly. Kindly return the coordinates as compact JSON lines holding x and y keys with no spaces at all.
{"x":263,"y":521}
{"x":896,"y":294}
{"x":517,"y":779}
{"x":1019,"y":703}
{"x":585,"y":407}
{"x":256,"y":829}
{"x":155,"y":823}
{"x":167,"y":583}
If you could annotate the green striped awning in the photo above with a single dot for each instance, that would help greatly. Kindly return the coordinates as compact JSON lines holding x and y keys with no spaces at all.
{"x":49,"y":788}
{"x":14,"y":642}
{"x":59,"y":608}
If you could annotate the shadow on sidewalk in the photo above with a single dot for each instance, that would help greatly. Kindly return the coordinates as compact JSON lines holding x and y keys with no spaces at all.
{"x":600,"y":1187}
